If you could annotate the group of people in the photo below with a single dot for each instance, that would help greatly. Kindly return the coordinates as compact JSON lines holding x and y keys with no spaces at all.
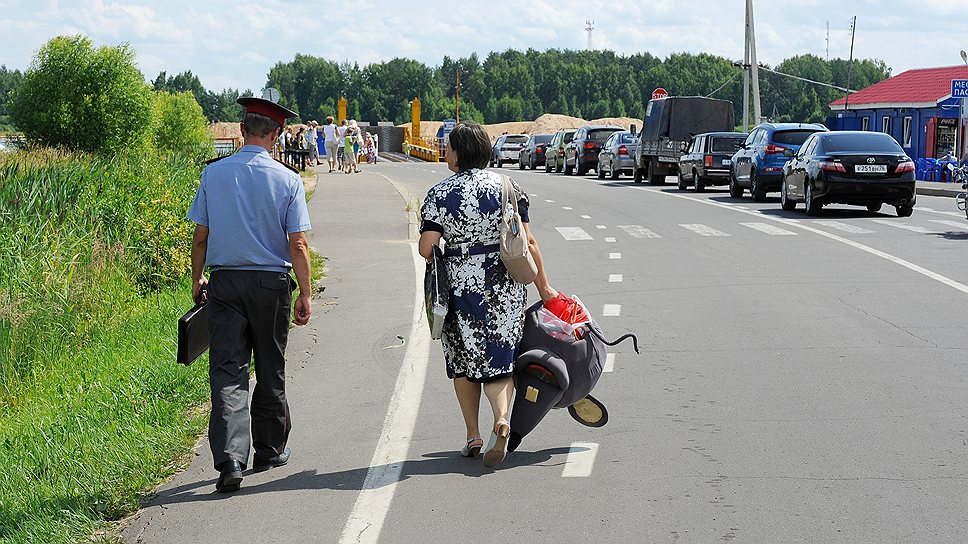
{"x":344,"y":146}
{"x":251,"y":219}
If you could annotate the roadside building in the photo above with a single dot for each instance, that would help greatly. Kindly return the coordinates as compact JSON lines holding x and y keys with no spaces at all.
{"x":915,"y":107}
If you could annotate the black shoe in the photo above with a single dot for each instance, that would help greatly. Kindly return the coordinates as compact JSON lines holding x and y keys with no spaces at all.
{"x":261,"y":465}
{"x":230,"y":478}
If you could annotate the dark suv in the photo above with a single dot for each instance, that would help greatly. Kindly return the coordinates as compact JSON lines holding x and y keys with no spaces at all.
{"x":554,"y":153}
{"x":581,"y":154}
{"x":707,"y":160}
{"x":533,"y":153}
{"x":758,"y":165}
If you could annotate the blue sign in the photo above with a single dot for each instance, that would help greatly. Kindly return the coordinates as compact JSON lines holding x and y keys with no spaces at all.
{"x":959,"y":88}
{"x":449,"y":125}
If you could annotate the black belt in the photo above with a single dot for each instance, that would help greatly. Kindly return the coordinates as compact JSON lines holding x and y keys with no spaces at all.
{"x":465,"y":250}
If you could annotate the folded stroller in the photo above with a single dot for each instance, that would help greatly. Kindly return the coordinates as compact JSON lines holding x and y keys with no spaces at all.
{"x":560,"y":359}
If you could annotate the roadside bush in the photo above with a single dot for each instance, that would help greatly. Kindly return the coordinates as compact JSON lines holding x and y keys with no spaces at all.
{"x":180,"y":126}
{"x":81,"y":98}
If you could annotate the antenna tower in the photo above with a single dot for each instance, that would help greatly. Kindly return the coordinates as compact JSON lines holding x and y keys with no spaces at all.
{"x":589,"y":28}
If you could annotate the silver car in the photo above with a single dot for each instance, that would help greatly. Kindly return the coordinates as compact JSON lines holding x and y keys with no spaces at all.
{"x":617,"y":155}
{"x":507,"y":148}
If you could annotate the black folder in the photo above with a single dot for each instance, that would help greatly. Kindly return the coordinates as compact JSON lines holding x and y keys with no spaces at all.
{"x":193,"y":336}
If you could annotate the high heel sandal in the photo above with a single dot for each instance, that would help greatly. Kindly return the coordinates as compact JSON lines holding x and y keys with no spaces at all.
{"x":497,"y":445}
{"x":471,"y":449}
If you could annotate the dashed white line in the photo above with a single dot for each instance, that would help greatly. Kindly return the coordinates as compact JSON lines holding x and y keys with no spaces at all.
{"x":573,"y":233}
{"x":638,"y":231}
{"x":853,"y":229}
{"x":585,"y":216}
{"x":601,"y":227}
{"x":580,"y":460}
{"x":614,"y":255}
{"x":566,"y":207}
{"x":703,"y":230}
{"x":615,"y":278}
{"x":956,"y":224}
{"x":612,"y":310}
{"x":905,"y":226}
{"x":772,"y":230}
{"x":609,"y":240}
{"x":550,"y":201}
{"x":609,"y":363}
{"x":532,"y":194}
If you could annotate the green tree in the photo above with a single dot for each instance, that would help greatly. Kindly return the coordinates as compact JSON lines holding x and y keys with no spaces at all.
{"x":9,"y":80}
{"x":79,"y":97}
{"x":180,"y":127}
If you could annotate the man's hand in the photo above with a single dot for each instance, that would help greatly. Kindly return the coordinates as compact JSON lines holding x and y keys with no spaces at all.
{"x":200,"y":286}
{"x":303,"y":310}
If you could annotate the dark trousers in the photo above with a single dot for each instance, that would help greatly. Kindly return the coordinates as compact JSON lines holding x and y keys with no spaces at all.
{"x":248,"y":316}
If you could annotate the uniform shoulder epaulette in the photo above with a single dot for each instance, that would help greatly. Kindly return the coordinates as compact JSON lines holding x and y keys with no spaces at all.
{"x":216,"y":159}
{"x":287,"y":165}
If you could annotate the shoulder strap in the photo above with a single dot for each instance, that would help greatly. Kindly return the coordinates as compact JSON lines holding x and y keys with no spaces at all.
{"x":507,"y":190}
{"x":216,"y":159}
{"x":289,"y":166}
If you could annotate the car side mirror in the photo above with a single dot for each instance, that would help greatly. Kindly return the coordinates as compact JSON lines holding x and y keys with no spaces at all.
{"x":684,"y":147}
{"x":787,"y":152}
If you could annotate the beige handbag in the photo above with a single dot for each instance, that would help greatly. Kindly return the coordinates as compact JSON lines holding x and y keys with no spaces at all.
{"x":514,"y":242}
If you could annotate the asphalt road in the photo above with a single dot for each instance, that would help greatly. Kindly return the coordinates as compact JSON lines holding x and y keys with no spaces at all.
{"x":801,"y":380}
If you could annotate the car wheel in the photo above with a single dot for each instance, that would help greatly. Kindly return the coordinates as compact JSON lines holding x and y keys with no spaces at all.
{"x":568,"y":169}
{"x":681,"y":181}
{"x":875,"y":207}
{"x":520,"y":164}
{"x":636,"y":174}
{"x":654,"y":178}
{"x":785,"y":201}
{"x":613,"y":172}
{"x":601,"y":171}
{"x":756,"y":190}
{"x":580,"y":169}
{"x":547,"y":166}
{"x":904,"y":210}
{"x":531,"y":164}
{"x":558,"y":164}
{"x":698,"y":182}
{"x":812,"y":206}
{"x":735,"y":190}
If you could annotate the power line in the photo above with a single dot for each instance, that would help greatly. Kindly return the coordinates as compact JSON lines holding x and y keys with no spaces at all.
{"x":808,"y":80}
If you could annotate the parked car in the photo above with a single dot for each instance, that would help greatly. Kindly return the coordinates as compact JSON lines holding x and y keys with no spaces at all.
{"x":581,"y":153}
{"x":554,"y":153}
{"x":617,"y":155}
{"x":533,"y":153}
{"x":758,"y":165}
{"x":849,"y":167}
{"x":507,"y":148}
{"x":707,"y":160}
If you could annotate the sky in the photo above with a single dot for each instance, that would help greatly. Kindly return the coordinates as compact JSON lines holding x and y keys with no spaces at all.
{"x":234,"y":44}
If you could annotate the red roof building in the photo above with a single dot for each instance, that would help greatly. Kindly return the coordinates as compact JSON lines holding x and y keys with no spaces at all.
{"x":921,"y":88}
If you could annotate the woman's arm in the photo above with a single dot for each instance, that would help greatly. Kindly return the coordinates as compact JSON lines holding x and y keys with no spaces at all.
{"x":425,"y":246}
{"x":545,"y":290}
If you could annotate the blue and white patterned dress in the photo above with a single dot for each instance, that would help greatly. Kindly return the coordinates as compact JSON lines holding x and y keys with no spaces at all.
{"x":486,"y":318}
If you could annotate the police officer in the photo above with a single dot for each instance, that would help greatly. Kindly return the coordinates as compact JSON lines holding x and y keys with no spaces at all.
{"x":251,"y":222}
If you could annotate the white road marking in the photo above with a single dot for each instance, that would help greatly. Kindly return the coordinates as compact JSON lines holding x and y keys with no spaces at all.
{"x":550,"y":201}
{"x":585,"y":216}
{"x":958,"y":286}
{"x":601,"y":227}
{"x":609,"y":363}
{"x":614,"y":255}
{"x":853,"y":229}
{"x":580,"y":460}
{"x":566,"y":207}
{"x":638,"y":231}
{"x":532,"y":194}
{"x":956,"y":224}
{"x":609,"y":240}
{"x":573,"y":233}
{"x":703,"y":230}
{"x":738,"y":207}
{"x":926,"y":209}
{"x":372,"y":504}
{"x":612,"y":310}
{"x":905,"y":226}
{"x":615,"y":278}
{"x":952,"y":214}
{"x":769,"y":229}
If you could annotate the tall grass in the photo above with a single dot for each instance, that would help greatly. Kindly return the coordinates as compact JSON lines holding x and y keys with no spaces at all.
{"x":93,"y":255}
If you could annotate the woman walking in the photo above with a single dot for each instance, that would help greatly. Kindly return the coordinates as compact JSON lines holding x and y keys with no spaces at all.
{"x":486,"y":319}
{"x":349,"y":156}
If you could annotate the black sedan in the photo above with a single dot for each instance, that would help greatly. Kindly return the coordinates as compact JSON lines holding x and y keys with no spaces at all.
{"x":849,"y":167}
{"x":533,"y":153}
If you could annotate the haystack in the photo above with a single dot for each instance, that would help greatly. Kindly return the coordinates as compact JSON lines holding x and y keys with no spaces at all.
{"x":548,"y":123}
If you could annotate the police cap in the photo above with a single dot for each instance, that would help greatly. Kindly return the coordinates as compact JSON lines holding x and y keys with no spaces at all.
{"x":268,"y":108}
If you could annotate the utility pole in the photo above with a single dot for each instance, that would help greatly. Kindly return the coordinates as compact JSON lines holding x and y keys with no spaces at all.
{"x":589,"y":28}
{"x":746,"y":70}
{"x":850,"y":61}
{"x":757,"y":113}
{"x":749,"y":63}
{"x":457,"y":90}
{"x":828,"y":40}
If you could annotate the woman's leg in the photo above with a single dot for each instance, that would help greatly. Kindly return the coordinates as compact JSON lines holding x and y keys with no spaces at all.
{"x":499,"y":394}
{"x":469,"y":398}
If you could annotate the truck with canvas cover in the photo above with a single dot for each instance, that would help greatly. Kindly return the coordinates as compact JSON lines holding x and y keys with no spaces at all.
{"x":669,"y":125}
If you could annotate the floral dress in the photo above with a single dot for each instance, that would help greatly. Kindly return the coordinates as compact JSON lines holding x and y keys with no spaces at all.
{"x":486,"y":318}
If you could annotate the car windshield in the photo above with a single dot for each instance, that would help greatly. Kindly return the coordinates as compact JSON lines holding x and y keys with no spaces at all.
{"x":791,"y":137}
{"x":543,"y":138}
{"x":871,"y":142}
{"x":599,"y":135}
{"x":515,"y":139}
{"x":726,"y":144}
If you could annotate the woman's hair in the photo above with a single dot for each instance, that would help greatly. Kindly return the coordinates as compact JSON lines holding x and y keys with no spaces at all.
{"x":472,"y":145}
{"x":329,"y":120}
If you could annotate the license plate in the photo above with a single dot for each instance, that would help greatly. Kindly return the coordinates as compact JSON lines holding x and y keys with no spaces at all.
{"x":727,"y":162}
{"x":870,"y":168}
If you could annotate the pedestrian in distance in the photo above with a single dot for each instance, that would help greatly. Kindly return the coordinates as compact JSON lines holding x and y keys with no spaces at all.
{"x":340,"y":135}
{"x":250,"y":220}
{"x":332,"y":142}
{"x":486,"y":319}
{"x":311,"y":143}
{"x":370,"y":147}
{"x":349,"y":155}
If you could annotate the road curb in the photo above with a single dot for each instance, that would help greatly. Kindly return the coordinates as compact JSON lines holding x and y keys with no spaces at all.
{"x":931,"y":191}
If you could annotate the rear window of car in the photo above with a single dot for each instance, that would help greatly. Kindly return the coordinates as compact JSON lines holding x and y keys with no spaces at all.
{"x":569,"y":136}
{"x":873,"y":142}
{"x":726,"y":144}
{"x":626,"y":139}
{"x":600,"y":135}
{"x":516,"y":139}
{"x":792,"y":137}
{"x":543,"y":138}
